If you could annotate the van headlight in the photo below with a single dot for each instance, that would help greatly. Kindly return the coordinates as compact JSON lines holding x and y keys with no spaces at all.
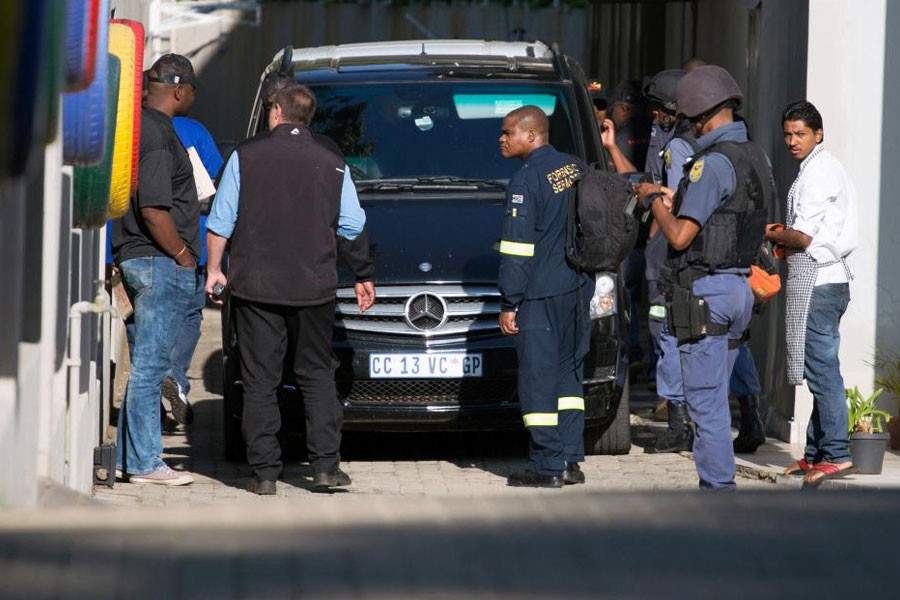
{"x":603,"y":302}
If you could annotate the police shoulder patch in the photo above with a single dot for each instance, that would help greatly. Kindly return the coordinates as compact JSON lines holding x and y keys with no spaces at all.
{"x":667,"y":156}
{"x":518,"y":199}
{"x":696,"y":171}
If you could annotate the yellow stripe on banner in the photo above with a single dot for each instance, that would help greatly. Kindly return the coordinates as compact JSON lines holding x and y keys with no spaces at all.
{"x":571,"y":403}
{"x":516,"y":248}
{"x":541,"y":419}
{"x":658,"y":311}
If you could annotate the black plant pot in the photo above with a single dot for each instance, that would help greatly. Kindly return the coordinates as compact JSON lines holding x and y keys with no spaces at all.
{"x":868,"y":450}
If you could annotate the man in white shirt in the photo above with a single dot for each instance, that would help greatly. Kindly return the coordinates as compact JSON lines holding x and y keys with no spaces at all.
{"x":820,"y":232}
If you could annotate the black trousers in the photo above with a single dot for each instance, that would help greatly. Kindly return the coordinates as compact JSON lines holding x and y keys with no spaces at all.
{"x":265,"y":333}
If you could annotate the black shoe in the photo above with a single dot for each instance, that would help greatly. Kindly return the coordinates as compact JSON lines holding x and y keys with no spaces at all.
{"x":263,"y":487}
{"x":329,"y":479}
{"x":181,"y":409}
{"x":752,"y":433}
{"x":573,"y":474}
{"x":531,"y":479}
{"x":679,"y":436}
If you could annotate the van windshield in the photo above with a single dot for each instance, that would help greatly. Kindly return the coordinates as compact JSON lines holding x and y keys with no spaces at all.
{"x":410,"y":130}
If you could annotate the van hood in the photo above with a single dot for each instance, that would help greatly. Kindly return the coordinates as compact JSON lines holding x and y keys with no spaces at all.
{"x":446,"y":238}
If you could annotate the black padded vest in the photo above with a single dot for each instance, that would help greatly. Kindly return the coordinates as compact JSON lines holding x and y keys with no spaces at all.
{"x":283,"y":249}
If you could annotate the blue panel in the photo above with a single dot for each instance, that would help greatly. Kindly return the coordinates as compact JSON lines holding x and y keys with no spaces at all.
{"x":84,"y":113}
{"x":75,"y":48}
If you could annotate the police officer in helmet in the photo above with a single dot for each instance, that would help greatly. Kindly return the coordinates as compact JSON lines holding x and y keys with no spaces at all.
{"x":667,"y":127}
{"x":671,"y":146}
{"x":714,"y":224}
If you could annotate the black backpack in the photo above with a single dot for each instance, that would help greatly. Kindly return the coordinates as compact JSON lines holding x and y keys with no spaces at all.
{"x":601,"y":228}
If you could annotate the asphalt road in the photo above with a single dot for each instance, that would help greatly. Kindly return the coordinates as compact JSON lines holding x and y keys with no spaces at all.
{"x":566,"y":544}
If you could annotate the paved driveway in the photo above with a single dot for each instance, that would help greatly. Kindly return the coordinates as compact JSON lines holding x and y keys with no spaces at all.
{"x":470,"y":465}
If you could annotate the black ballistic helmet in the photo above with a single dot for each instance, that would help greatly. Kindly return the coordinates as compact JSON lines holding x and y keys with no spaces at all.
{"x":705,"y":88}
{"x":661,"y":88}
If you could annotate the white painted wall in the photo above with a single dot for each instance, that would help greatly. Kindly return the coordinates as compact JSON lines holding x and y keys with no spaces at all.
{"x":846,"y":74}
{"x":17,"y":483}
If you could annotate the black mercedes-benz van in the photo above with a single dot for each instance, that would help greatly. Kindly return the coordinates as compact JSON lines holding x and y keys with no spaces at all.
{"x":418,"y":123}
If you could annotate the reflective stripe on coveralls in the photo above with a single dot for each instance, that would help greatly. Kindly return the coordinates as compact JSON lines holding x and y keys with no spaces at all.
{"x":541,"y":419}
{"x":516,"y":248}
{"x":571,"y":403}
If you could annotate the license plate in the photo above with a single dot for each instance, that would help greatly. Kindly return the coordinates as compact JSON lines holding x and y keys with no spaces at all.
{"x":425,"y":366}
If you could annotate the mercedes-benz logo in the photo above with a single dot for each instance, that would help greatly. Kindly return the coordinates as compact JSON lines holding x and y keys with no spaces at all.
{"x":425,"y":311}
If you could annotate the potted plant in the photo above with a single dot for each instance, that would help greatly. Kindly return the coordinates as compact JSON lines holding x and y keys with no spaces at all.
{"x":868,"y":441}
{"x":888,"y":377}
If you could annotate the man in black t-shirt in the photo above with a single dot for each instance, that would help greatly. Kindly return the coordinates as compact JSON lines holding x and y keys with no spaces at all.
{"x":156,"y":245}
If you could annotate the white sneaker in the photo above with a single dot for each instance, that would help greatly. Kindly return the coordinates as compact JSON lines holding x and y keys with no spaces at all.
{"x":175,"y":401}
{"x":163,"y":475}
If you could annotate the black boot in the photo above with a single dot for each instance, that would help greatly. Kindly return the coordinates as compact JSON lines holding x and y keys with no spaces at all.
{"x":752,"y":433}
{"x":679,"y":437}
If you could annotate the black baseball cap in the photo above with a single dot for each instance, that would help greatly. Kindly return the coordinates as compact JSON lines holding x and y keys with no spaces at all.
{"x":173,"y":69}
{"x":597,"y":93}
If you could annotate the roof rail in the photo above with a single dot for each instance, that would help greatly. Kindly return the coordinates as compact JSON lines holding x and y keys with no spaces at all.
{"x":536,"y":49}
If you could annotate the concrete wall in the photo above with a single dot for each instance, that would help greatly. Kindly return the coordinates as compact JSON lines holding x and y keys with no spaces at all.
{"x":47,"y":436}
{"x":17,"y":421}
{"x":887,"y":315}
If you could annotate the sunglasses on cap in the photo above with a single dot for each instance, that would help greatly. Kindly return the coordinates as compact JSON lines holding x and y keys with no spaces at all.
{"x":174,"y":80}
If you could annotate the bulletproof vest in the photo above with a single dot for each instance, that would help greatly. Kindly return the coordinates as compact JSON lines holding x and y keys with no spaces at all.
{"x":731,"y":237}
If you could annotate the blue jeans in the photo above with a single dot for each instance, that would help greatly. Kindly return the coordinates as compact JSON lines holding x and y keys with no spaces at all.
{"x":744,"y":377}
{"x":188,"y":336}
{"x":160,"y":292}
{"x":633,"y":275}
{"x":706,"y":369}
{"x":827,"y":436}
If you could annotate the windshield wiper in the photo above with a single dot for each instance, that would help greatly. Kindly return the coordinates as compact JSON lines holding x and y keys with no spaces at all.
{"x":430,"y":183}
{"x":476,"y":181}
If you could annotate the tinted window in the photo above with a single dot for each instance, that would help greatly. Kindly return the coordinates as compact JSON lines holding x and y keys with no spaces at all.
{"x":422,"y":129}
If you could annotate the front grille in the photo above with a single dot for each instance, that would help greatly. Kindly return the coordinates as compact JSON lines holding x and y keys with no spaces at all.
{"x":469,"y":309}
{"x":428,"y":392}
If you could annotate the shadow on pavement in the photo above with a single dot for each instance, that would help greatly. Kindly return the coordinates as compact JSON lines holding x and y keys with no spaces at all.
{"x":212,"y":373}
{"x":579,"y":545}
